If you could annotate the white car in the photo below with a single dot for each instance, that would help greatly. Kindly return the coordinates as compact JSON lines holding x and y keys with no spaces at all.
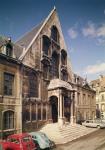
{"x":94,"y":123}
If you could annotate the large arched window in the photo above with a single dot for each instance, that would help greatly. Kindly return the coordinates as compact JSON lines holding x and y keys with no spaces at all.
{"x":55,"y":34}
{"x":55,"y":65}
{"x":8,"y":120}
{"x":33,"y":84}
{"x":64,"y":76}
{"x":63,"y":57}
{"x":46,"y":45}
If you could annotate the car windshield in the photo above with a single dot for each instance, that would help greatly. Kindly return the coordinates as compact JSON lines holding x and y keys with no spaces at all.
{"x":44,"y":136}
{"x":13,"y":140}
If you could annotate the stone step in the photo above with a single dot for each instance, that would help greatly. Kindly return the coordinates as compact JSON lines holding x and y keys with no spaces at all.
{"x":66,"y":133}
{"x":72,"y":131}
{"x":75,"y":133}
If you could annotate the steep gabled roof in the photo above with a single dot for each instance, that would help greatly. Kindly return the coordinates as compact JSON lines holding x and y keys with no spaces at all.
{"x":18,"y":50}
{"x":27,"y":38}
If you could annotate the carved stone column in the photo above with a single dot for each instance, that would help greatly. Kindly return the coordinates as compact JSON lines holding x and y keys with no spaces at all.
{"x":73,"y":119}
{"x":46,"y":111}
{"x":41,"y":111}
{"x":60,"y":106}
{"x":63,"y":106}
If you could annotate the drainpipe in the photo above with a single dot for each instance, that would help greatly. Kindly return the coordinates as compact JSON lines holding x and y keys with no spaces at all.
{"x":2,"y":126}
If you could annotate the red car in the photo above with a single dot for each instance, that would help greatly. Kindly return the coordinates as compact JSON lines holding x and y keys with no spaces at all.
{"x":22,"y":141}
{"x":4,"y":146}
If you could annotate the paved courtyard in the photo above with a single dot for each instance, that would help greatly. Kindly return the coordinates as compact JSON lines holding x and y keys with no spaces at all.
{"x":94,"y":141}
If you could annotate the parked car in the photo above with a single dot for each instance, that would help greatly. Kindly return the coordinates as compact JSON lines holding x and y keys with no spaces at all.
{"x":21,"y":141}
{"x":94,"y":123}
{"x":4,"y":146}
{"x":42,"y":140}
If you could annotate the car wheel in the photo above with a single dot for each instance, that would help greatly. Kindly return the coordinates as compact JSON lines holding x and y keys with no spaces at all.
{"x":38,"y":147}
{"x":98,"y":127}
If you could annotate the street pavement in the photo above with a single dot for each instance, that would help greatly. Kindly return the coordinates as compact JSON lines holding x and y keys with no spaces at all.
{"x":93,"y":141}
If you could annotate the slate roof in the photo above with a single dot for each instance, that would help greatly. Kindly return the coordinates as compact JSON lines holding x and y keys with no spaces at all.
{"x":23,"y":42}
{"x":95,"y":81}
{"x":17,"y":49}
{"x":86,"y":86}
{"x":27,"y":38}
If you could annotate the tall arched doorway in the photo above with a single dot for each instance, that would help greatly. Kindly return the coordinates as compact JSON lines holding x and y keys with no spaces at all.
{"x":54,"y":108}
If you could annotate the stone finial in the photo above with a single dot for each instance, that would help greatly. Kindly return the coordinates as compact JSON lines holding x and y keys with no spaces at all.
{"x":54,"y":8}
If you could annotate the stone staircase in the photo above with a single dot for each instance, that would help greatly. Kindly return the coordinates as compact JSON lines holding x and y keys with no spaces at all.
{"x":67,"y":133}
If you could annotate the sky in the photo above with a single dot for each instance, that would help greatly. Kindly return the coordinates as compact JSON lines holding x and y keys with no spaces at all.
{"x":83,"y":26}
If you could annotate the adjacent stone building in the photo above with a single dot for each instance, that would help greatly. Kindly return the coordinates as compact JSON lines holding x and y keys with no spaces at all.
{"x":10,"y":89}
{"x":85,"y":103}
{"x":99,"y":86}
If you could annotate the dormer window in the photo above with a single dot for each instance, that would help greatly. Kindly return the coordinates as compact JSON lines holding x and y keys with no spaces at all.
{"x":9,"y":50}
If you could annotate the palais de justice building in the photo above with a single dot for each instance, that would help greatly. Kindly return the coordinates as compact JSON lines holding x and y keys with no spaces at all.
{"x":37,"y":84}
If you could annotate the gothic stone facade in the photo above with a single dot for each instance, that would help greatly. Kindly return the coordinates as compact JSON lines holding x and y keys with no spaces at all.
{"x":47,"y":93}
{"x":37,"y":79}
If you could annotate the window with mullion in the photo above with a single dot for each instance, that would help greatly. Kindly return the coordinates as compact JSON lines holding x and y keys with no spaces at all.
{"x":8,"y":84}
{"x":33,"y":113}
{"x":8,"y":120}
{"x":55,"y":66}
{"x":46,"y":45}
{"x":33,"y":84}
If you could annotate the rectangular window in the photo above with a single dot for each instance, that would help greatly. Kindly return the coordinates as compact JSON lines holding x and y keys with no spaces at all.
{"x":44,"y":111}
{"x":27,"y":112}
{"x":84,"y":99}
{"x":78,"y":98}
{"x":39,"y":111}
{"x":8,"y":120}
{"x":33,"y":85}
{"x":102,"y":107}
{"x":88,"y":100}
{"x":8,"y":84}
{"x":102,"y":97}
{"x":33,"y":112}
